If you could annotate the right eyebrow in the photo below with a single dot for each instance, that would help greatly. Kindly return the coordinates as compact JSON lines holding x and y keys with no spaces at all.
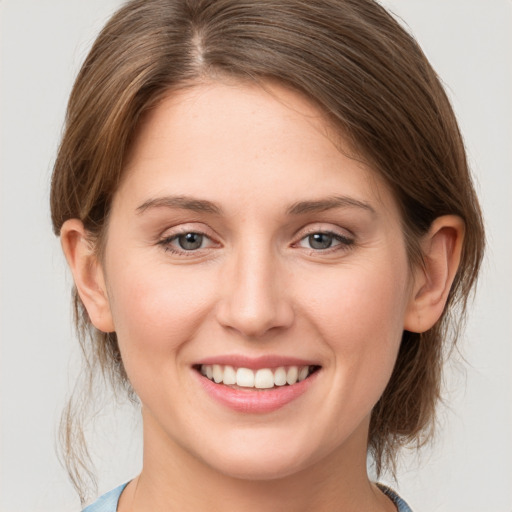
{"x":181,"y":202}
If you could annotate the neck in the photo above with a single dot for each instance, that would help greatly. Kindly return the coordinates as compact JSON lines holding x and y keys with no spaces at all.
{"x":174,"y":479}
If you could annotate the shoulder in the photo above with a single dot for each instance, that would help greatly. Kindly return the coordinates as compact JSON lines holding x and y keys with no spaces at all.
{"x":107,"y":502}
{"x":401,"y":505}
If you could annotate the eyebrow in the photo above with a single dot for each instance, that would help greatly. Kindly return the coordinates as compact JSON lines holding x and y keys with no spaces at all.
{"x":299,"y":208}
{"x":329,"y":203}
{"x":182,"y":202}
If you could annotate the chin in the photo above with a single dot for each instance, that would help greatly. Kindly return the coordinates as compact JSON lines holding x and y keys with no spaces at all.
{"x":260,"y":469}
{"x":263,"y":459}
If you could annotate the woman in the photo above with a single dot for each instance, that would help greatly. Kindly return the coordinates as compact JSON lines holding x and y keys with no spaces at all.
{"x":268,"y":215}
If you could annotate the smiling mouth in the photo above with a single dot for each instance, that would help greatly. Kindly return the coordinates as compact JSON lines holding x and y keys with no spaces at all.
{"x":261,"y":379}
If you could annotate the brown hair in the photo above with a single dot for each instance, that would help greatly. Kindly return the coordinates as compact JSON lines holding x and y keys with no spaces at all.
{"x":368,"y":76}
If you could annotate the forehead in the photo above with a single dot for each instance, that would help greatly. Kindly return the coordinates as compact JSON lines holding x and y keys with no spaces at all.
{"x":237,"y":141}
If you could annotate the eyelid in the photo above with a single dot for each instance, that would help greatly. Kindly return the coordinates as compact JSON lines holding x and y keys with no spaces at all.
{"x":345,"y":238}
{"x":186,"y":227}
{"x":320,"y":227}
{"x":335,"y":238}
{"x":171,"y":234}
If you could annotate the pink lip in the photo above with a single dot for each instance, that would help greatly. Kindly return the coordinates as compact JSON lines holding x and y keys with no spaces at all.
{"x":252,"y":400}
{"x":255,"y":363}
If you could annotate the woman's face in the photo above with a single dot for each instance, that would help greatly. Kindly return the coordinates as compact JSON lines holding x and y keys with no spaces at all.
{"x":243,"y":244}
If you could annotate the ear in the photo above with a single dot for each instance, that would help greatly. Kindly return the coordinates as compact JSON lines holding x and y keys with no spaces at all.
{"x":441,"y":248}
{"x":87,"y":274}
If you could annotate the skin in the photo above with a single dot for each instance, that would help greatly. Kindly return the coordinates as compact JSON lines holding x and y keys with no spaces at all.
{"x":256,"y":286}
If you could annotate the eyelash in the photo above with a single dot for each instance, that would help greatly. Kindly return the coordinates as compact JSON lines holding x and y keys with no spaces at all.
{"x":344,"y":244}
{"x":166,"y":242}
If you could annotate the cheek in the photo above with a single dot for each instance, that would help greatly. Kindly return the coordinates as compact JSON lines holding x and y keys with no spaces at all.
{"x":361,"y":299}
{"x":156,"y":309}
{"x":359,"y":313}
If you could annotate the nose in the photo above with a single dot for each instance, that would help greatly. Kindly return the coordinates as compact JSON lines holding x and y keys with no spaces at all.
{"x":254,"y":300}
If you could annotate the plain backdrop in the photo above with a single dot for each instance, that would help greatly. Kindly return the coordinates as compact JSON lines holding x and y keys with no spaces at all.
{"x":43,"y":43}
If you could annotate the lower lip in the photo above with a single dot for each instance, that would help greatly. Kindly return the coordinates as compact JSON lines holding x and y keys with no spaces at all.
{"x":254,"y":400}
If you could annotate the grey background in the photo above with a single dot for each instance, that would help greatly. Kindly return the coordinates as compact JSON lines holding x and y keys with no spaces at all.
{"x":43,"y":43}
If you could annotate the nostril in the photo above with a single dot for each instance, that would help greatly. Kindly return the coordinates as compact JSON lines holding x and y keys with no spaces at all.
{"x":255,"y":320}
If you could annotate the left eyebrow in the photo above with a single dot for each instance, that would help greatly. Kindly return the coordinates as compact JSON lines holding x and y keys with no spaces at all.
{"x":328,"y":203}
{"x":180,"y":202}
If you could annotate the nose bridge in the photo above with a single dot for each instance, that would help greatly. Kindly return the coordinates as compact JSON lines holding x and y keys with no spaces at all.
{"x":254,"y":299}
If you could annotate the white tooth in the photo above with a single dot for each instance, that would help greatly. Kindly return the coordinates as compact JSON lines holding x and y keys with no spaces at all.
{"x":229,"y":375}
{"x":264,"y":379}
{"x":292,"y":374}
{"x":203,"y":369}
{"x":280,"y":376}
{"x":303,"y":373}
{"x":209,"y":371}
{"x":245,"y":378}
{"x":217,"y":373}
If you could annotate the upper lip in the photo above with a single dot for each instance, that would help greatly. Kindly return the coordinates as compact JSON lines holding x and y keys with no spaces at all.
{"x":255,"y":363}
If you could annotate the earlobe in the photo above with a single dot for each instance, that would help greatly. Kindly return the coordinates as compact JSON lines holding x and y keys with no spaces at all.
{"x":87,"y":274}
{"x":441,"y":248}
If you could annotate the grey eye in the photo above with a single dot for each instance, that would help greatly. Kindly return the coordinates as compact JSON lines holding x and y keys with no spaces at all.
{"x":190,"y":241}
{"x":320,"y":240}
